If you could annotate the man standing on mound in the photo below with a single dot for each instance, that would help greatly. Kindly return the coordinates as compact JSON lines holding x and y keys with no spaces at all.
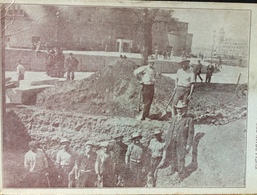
{"x":147,"y":74}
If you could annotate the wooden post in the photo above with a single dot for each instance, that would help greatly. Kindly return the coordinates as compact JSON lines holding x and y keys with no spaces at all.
{"x":238,"y":78}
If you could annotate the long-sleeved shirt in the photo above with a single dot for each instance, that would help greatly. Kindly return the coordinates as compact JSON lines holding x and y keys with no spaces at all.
{"x":148,"y":74}
{"x":65,"y":158}
{"x":35,"y":161}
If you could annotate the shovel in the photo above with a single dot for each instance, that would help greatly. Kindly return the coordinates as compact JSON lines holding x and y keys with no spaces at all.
{"x":171,"y":98}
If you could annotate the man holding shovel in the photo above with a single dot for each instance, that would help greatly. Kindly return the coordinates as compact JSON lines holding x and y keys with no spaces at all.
{"x":184,"y":85}
{"x":148,"y":79}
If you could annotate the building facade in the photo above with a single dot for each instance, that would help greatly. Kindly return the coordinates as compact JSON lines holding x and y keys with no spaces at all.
{"x":92,"y":28}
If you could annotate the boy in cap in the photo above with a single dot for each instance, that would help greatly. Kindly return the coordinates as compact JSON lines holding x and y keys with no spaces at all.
{"x":156,"y":147}
{"x":184,"y":85}
{"x":198,"y":70}
{"x":104,"y":166}
{"x":65,"y":160}
{"x":179,"y":141}
{"x":35,"y":162}
{"x":135,"y":159}
{"x":147,"y":74}
{"x":85,"y":167}
{"x":210,"y":70}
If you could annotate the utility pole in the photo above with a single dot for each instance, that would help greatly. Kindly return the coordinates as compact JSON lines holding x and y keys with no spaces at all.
{"x":213,"y":43}
{"x":2,"y":50}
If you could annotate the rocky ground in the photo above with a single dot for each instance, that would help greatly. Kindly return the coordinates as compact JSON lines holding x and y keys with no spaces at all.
{"x":105,"y":105}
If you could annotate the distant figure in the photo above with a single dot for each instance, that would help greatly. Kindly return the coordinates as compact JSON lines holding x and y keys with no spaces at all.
{"x":35,"y":162}
{"x":71,"y":66}
{"x":210,"y":70}
{"x":50,"y":63}
{"x":20,"y":70}
{"x":60,"y":58}
{"x":198,"y":70}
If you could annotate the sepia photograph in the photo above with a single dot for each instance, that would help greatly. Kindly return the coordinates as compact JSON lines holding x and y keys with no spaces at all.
{"x":128,"y":96}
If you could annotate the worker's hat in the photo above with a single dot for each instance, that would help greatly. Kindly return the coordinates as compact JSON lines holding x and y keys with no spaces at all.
{"x":34,"y":144}
{"x":65,"y":140}
{"x":157,"y":131}
{"x":181,"y":104}
{"x":104,"y":144}
{"x":136,"y":135}
{"x":150,"y":59}
{"x":89,"y":143}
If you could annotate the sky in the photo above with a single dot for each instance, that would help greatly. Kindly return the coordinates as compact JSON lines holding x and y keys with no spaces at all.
{"x":203,"y":23}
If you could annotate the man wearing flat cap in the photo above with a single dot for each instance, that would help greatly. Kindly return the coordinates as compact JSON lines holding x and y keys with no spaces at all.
{"x":179,"y":140}
{"x":135,"y":160}
{"x":85,"y":166}
{"x":65,"y":160}
{"x":35,"y":162}
{"x":156,"y":147}
{"x":71,"y":66}
{"x":147,"y":75}
{"x":184,"y":85}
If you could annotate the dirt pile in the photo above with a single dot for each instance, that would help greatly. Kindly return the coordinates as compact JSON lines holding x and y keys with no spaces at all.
{"x":114,"y":91}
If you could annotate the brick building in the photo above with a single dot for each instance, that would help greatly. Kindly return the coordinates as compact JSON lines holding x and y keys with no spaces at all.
{"x":92,"y":28}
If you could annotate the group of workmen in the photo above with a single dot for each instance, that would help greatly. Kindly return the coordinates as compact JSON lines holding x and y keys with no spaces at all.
{"x":56,"y":66}
{"x":116,"y":164}
{"x":113,"y":163}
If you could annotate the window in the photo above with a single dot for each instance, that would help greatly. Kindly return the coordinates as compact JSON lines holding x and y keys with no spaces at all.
{"x":78,"y":40}
{"x":79,"y":16}
{"x":16,"y":10}
{"x":101,"y":20}
{"x":89,"y":18}
{"x":67,"y":16}
{"x":157,"y":26}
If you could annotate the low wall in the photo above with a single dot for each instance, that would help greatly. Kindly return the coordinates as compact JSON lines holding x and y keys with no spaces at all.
{"x":87,"y":62}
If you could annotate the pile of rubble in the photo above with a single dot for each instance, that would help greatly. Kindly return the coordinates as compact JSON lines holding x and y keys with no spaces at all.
{"x":114,"y":91}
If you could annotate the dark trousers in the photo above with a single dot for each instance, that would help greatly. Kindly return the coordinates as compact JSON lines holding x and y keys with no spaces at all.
{"x":135,"y":175}
{"x":21,"y":77}
{"x":70,"y":74}
{"x":199,"y":75}
{"x":177,"y":159}
{"x":208,"y":78}
{"x":147,"y":93}
{"x":36,"y":180}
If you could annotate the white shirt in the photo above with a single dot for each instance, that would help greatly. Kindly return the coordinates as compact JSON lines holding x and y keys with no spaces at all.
{"x":20,"y":69}
{"x":63,"y":157}
{"x":148,"y":74}
{"x":156,"y":147}
{"x":35,"y":161}
{"x":185,"y":77}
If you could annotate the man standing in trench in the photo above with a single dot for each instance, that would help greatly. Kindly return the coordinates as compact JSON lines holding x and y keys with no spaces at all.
{"x":148,"y":75}
{"x":179,"y":140}
{"x":184,"y":85}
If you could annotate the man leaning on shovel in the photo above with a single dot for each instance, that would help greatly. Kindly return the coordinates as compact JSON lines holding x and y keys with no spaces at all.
{"x":184,"y":85}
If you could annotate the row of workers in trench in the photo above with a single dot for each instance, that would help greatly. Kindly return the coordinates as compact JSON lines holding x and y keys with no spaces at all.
{"x":113,"y":163}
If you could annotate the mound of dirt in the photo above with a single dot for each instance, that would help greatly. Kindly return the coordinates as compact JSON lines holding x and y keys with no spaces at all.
{"x":114,"y":91}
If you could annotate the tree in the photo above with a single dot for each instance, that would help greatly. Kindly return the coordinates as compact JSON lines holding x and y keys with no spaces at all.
{"x":146,"y":18}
